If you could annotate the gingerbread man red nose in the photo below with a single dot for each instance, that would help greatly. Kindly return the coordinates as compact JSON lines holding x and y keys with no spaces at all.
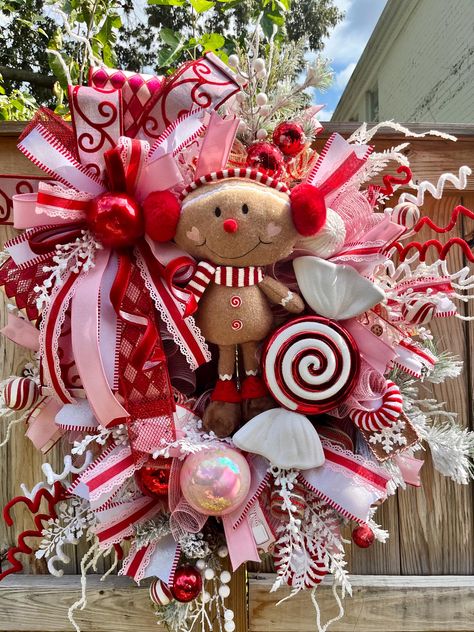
{"x":231,"y":225}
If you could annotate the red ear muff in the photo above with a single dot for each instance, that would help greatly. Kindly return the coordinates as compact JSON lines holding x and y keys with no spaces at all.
{"x":161,"y":210}
{"x":308,"y":209}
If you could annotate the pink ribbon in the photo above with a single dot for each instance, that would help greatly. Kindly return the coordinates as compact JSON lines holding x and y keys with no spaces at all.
{"x":26,"y":215}
{"x":338,"y":162}
{"x":217,"y":143}
{"x":86,"y":347}
{"x":375,"y":351}
{"x":42,"y":429}
{"x":410,"y":468}
{"x":21,"y":332}
{"x":240,"y":542}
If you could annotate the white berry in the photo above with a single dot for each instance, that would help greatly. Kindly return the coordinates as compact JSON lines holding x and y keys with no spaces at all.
{"x":224,"y":591}
{"x":262,"y":74}
{"x":209,"y":573}
{"x":229,"y":615}
{"x":261,"y":98}
{"x":229,"y":626}
{"x":225,"y":577}
{"x":223,"y":551}
{"x":258,"y":64}
{"x":201,"y":565}
{"x":240,"y":97}
{"x":233,"y":61}
{"x":206,"y":597}
{"x":265,"y":109}
{"x":262,"y":133}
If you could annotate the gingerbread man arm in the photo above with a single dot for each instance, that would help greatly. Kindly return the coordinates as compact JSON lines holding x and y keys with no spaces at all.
{"x":278,"y":293}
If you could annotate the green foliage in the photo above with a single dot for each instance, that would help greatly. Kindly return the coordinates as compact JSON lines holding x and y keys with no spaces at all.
{"x":18,"y":105}
{"x":63,"y":37}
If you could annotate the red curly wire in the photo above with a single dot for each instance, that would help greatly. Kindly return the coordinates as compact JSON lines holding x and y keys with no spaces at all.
{"x":388,"y":180}
{"x":59,"y":493}
{"x":457,"y":211}
{"x":442,"y":249}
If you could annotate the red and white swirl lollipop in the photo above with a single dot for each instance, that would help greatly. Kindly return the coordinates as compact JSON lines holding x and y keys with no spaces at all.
{"x":383,"y":417}
{"x":311,"y":364}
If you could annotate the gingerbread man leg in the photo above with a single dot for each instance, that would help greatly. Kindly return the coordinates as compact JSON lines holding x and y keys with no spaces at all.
{"x":223,"y":415}
{"x":255,"y":395}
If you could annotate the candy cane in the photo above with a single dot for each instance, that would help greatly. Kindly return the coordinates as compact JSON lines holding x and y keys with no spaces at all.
{"x":388,"y":412}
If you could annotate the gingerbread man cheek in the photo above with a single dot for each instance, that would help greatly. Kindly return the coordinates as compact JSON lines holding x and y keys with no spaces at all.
{"x":194,"y":235}
{"x":273,"y":230}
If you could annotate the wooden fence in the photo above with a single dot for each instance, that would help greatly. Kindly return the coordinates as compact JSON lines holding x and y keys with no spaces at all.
{"x":418,"y":581}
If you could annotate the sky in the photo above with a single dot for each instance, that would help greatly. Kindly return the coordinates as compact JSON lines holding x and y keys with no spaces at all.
{"x":345,"y":45}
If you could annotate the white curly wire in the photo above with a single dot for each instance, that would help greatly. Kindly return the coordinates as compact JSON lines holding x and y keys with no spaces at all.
{"x":69,"y":468}
{"x":459,"y":182}
{"x":323,"y":628}
{"x":59,"y":557}
{"x":363,"y":135}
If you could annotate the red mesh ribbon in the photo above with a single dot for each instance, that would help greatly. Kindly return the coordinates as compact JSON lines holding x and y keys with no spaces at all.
{"x":144,"y":379}
{"x":54,"y":124}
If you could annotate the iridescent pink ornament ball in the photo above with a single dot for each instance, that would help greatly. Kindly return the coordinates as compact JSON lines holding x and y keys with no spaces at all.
{"x":215,"y":481}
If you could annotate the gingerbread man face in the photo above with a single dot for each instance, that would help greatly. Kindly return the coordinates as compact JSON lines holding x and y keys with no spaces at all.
{"x":236,"y":222}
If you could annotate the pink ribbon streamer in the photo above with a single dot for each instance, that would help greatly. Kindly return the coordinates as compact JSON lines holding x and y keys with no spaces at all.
{"x":376,"y":352}
{"x":26,"y":214}
{"x":338,"y":162}
{"x":410,"y":468}
{"x":240,"y":542}
{"x":86,"y":347}
{"x":21,"y":332}
{"x":42,"y":429}
{"x":217,"y":143}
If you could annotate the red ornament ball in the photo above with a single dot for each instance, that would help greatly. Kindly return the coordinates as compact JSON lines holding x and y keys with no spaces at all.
{"x":363,"y":536}
{"x":266,"y":158}
{"x":154,"y":479}
{"x":187,"y":584}
{"x":290,"y":138}
{"x":116,"y":220}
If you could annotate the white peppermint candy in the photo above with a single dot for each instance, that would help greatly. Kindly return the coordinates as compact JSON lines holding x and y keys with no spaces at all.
{"x":21,"y":393}
{"x":160,"y":593}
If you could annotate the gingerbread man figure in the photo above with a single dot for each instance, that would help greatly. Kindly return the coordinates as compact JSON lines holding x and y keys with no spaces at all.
{"x":236,"y":222}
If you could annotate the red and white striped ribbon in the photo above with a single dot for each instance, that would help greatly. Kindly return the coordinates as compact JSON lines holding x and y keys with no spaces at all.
{"x":347,"y":483}
{"x":122,"y":526}
{"x":47,"y":152}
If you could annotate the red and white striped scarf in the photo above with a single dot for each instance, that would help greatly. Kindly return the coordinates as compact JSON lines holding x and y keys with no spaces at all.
{"x":222,"y":275}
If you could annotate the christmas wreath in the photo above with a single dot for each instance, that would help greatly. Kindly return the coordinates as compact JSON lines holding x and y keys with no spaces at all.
{"x":230,"y":329}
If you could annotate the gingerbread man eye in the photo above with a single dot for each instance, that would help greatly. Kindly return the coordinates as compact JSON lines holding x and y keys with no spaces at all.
{"x":217,"y":212}
{"x":245,"y":209}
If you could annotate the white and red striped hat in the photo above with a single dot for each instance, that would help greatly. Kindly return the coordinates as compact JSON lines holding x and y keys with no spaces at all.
{"x":247,"y":173}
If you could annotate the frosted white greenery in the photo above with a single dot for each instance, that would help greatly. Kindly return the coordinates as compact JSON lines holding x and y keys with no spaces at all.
{"x":118,"y":434}
{"x":152,"y":530}
{"x":279,"y":79}
{"x":72,"y":257}
{"x":74,"y":520}
{"x":451,"y":446}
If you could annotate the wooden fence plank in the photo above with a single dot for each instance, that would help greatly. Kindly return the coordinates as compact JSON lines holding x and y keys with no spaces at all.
{"x":391,"y":604}
{"x":437,"y":521}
